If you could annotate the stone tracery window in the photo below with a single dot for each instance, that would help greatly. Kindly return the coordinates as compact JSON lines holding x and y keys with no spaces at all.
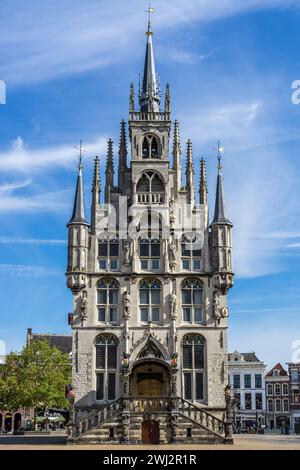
{"x":191,"y":252}
{"x":108,"y":254}
{"x":150,"y":188}
{"x":150,"y":147}
{"x":107,"y":301}
{"x":106,"y":366}
{"x":193,"y":367}
{"x":192,"y":301}
{"x":150,"y":301}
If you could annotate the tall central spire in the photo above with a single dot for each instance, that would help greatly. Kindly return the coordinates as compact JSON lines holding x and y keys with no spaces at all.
{"x":149,"y":94}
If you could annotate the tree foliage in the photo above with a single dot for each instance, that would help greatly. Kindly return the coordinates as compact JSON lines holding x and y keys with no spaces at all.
{"x":35,"y":378}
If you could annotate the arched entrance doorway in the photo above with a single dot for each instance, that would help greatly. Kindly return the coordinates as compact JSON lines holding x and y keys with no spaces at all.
{"x":149,"y":379}
{"x":150,"y":431}
{"x":8,"y":422}
{"x":17,"y":421}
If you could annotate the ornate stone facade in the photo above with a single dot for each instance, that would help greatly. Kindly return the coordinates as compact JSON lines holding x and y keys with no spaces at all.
{"x":149,"y":274}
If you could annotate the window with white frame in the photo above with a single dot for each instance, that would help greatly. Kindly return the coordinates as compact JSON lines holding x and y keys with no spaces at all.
{"x":150,"y":301}
{"x":192,"y":301}
{"x":150,"y":254}
{"x":107,"y":301}
{"x":286,"y":404}
{"x":270,"y":389}
{"x":258,"y":401}
{"x":258,"y":381}
{"x":294,"y":376}
{"x":106,"y":367}
{"x":285,"y":389}
{"x":193,"y":367}
{"x":277,"y":405}
{"x":191,"y":252}
{"x":270,"y":405}
{"x":277,"y":389}
{"x":108,"y":254}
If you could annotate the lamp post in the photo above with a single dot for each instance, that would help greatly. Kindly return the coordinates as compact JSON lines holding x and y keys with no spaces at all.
{"x":228,"y":420}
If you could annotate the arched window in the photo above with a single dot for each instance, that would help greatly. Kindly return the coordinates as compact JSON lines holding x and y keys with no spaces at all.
{"x":108,"y":254}
{"x":107,"y":301}
{"x":286,"y":405}
{"x":270,"y":405}
{"x":278,"y":405}
{"x":191,"y":252}
{"x":150,"y":301}
{"x":270,"y":389}
{"x":192,"y":301}
{"x":106,"y":366}
{"x":193,"y":367}
{"x":150,"y":188}
{"x":150,"y":147}
{"x":285,"y":389}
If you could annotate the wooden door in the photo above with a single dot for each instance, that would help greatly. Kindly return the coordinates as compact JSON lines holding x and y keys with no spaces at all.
{"x":154,"y":432}
{"x":146,"y":432}
{"x":150,"y":432}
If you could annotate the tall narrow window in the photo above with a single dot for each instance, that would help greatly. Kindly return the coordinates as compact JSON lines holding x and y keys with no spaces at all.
{"x":192,"y":301}
{"x":285,"y":389}
{"x":108,"y":254}
{"x":106,"y":367}
{"x":193,"y":367}
{"x":150,"y":301}
{"x":258,"y":381}
{"x":190,"y":253}
{"x":247,"y":380}
{"x":107,"y":301}
{"x":150,"y":254}
{"x":270,"y":405}
{"x":150,"y":147}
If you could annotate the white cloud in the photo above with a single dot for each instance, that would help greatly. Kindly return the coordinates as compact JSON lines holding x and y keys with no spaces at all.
{"x":55,"y":202}
{"x":20,"y":270}
{"x":30,"y":241}
{"x":22,"y":159}
{"x":73,"y":36}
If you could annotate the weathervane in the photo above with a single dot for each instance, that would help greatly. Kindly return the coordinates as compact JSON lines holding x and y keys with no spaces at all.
{"x":220,"y":151}
{"x":149,"y":11}
{"x":81,"y":152}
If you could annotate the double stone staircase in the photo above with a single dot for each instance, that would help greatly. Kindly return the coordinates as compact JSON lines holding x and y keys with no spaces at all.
{"x":121,"y":421}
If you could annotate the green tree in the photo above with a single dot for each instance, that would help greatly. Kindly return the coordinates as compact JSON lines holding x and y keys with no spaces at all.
{"x":9,"y":387}
{"x":35,"y":378}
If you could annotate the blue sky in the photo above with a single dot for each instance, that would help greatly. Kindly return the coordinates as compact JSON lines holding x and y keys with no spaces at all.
{"x":67,"y":67}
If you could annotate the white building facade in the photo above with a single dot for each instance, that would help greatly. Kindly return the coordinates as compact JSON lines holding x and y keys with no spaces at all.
{"x":149,"y":288}
{"x":246,"y":376}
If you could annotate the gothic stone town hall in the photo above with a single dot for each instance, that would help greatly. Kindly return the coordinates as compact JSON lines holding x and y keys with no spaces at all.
{"x":150,"y":289}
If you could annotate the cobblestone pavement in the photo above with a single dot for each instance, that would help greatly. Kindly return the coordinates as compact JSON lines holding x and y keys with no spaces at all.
{"x":241,"y":442}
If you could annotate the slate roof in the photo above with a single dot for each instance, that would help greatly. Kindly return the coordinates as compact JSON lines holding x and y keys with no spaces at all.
{"x":62,"y":342}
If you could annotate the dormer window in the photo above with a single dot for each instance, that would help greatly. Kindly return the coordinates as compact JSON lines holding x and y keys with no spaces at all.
{"x":150,"y":147}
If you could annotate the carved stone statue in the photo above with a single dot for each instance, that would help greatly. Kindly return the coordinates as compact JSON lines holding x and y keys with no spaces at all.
{"x":126,"y":304}
{"x":83,"y":306}
{"x":173,"y":305}
{"x":172,"y":253}
{"x":216,"y":307}
{"x":224,"y":312}
{"x":172,"y":212}
{"x":126,"y":253}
